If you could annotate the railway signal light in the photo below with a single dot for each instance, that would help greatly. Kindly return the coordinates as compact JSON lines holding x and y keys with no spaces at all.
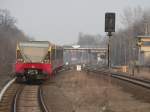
{"x":110,"y":22}
{"x":109,"y":27}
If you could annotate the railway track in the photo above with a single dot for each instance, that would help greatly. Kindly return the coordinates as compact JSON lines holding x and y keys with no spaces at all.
{"x":131,"y":79}
{"x":23,"y":98}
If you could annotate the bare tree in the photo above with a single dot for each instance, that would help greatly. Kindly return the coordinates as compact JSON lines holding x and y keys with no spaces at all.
{"x":124,"y":48}
{"x":91,"y":40}
{"x":9,"y":35}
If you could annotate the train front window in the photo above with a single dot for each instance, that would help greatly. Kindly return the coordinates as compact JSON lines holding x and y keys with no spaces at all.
{"x":34,"y":52}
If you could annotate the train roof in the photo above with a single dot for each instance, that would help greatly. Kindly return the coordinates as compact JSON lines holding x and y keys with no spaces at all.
{"x":37,"y":43}
{"x":34,"y":44}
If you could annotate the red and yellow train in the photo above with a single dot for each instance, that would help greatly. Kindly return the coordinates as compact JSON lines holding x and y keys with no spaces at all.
{"x":37,"y":60}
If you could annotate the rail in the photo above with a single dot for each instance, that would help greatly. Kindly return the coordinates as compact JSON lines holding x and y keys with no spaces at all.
{"x":5,"y":88}
{"x":29,"y":98}
{"x":131,"y":79}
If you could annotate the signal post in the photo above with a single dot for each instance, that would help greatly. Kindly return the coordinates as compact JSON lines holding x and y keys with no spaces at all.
{"x":109,"y":28}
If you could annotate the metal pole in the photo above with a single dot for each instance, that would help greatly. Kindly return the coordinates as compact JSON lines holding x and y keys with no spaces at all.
{"x":109,"y":51}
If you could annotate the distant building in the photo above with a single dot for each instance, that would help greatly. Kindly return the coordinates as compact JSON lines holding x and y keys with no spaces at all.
{"x":144,"y":50}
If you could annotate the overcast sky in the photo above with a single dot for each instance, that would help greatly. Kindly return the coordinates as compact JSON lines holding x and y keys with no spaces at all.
{"x":60,"y":21}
